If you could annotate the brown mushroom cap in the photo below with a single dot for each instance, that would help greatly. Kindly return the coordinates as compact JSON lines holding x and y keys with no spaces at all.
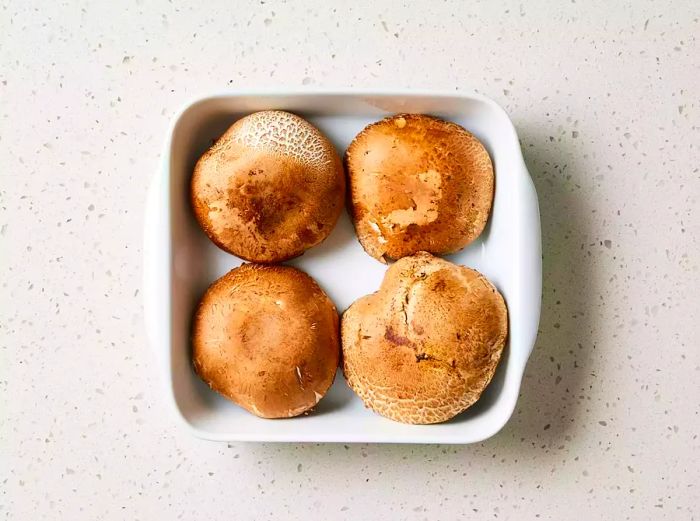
{"x":423,"y":348}
{"x":418,"y":183}
{"x":266,"y":337}
{"x":270,"y":188}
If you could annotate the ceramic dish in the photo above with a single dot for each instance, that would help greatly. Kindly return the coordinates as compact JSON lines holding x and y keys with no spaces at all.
{"x":180,"y":262}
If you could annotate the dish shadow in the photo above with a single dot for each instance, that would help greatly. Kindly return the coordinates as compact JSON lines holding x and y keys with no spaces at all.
{"x":551,"y":392}
{"x":549,"y":400}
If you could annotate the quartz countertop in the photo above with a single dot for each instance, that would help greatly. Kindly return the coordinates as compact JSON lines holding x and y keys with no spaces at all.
{"x":606,"y":101}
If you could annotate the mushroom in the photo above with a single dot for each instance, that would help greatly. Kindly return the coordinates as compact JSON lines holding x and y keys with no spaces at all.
{"x":271,"y":187}
{"x":424,"y":347}
{"x":266,"y":337}
{"x":418,"y":183}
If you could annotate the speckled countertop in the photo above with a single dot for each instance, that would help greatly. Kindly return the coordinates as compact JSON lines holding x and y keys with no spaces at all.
{"x":606,"y":99}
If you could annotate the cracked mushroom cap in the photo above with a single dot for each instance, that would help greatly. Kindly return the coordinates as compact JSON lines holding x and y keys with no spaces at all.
{"x":270,"y":188}
{"x":418,"y":183}
{"x":423,"y":348}
{"x":266,"y":337}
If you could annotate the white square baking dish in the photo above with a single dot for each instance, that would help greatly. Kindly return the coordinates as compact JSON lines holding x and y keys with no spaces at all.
{"x":180,"y":262}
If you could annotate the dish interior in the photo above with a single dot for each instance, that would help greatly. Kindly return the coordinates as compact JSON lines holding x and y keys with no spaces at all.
{"x":507,"y":252}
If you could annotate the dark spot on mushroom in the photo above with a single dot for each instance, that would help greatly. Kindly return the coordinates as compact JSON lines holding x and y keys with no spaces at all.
{"x":440,"y":285}
{"x":306,"y":235}
{"x":396,"y":339}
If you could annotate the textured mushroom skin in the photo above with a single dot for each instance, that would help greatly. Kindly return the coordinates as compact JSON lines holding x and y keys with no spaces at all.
{"x":270,"y":188}
{"x":418,"y":183}
{"x":423,"y":348}
{"x":267,"y":338}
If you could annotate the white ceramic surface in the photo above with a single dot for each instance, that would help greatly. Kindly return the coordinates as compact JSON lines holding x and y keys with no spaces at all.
{"x":180,"y":262}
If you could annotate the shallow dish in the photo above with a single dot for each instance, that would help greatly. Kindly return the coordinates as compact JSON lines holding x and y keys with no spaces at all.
{"x":180,"y":262}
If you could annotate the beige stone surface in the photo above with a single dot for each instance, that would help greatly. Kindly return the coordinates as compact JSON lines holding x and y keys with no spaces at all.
{"x":606,"y":98}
